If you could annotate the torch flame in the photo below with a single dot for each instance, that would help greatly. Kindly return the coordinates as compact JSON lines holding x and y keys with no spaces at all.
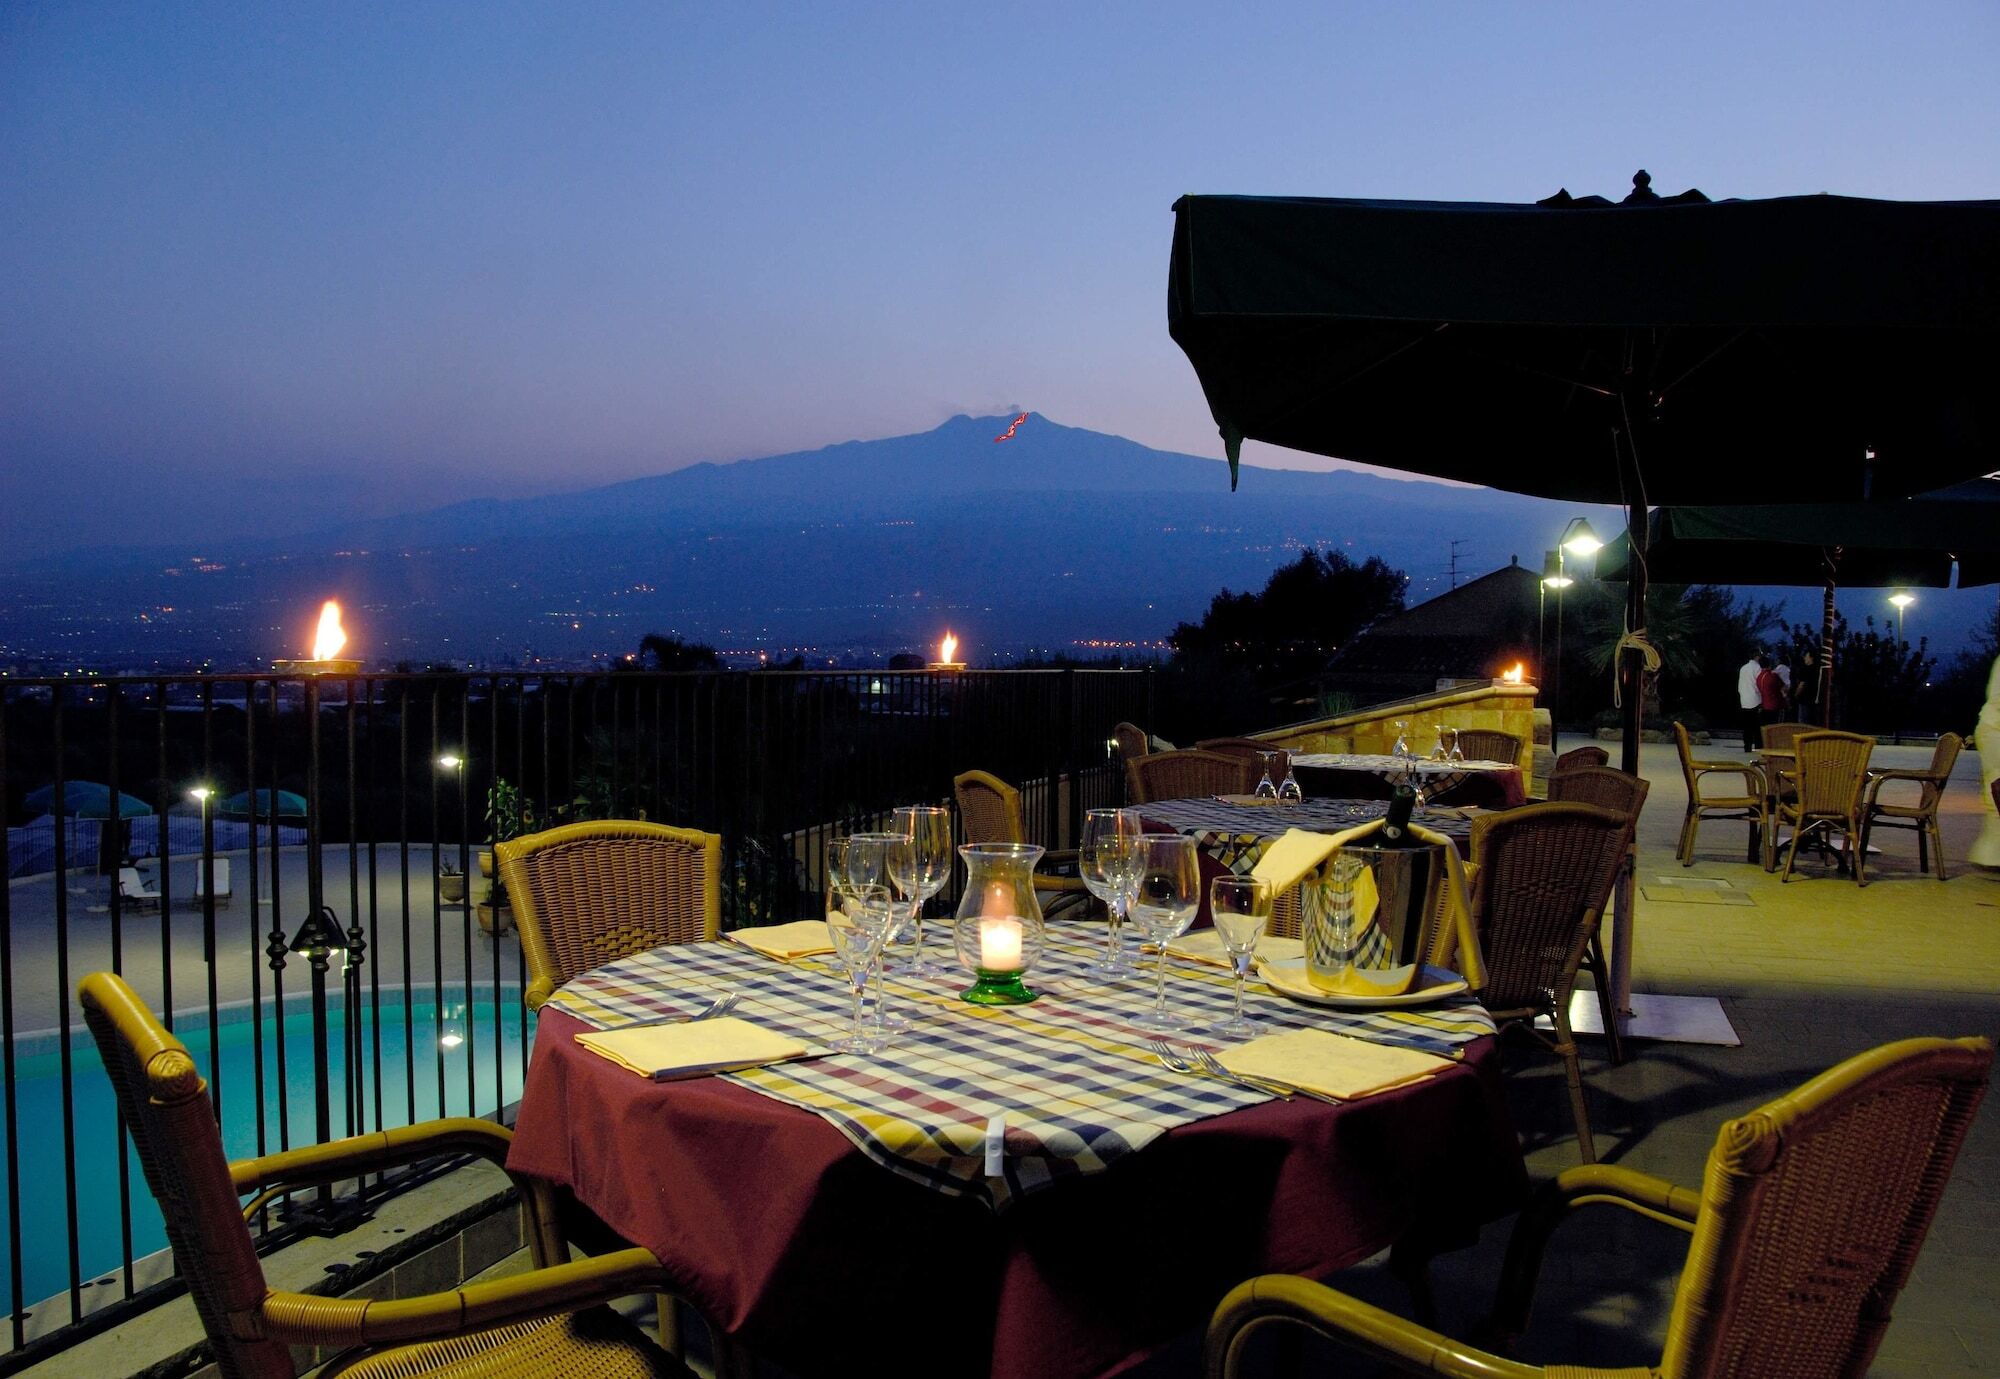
{"x":328,"y":641}
{"x":1514,"y":674}
{"x":947,"y":648}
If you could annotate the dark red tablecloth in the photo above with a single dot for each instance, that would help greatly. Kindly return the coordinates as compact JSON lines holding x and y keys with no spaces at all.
{"x":786,"y":1235}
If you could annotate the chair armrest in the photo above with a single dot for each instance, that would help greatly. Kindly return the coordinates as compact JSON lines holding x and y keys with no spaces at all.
{"x":1576,"y":1187}
{"x":302,"y":1319}
{"x":1748,"y":770}
{"x":313,"y":1164}
{"x":1368,"y":1329}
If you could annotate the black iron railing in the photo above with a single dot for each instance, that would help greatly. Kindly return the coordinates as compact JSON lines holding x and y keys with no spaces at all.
{"x":366,"y":803}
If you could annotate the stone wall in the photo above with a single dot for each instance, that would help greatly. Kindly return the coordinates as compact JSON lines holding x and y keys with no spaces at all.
{"x":1510,"y":708}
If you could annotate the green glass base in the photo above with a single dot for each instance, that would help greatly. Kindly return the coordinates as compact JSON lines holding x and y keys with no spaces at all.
{"x":997,"y":989}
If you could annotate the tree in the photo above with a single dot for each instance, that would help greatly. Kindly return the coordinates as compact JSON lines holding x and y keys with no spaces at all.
{"x":671,"y":653}
{"x":1307,"y":610}
{"x":1956,"y":697}
{"x":1702,"y":632}
{"x":1878,"y":678}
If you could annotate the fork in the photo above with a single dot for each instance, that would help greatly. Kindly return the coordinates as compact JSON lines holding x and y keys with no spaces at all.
{"x":1177,"y":1063}
{"x":720,"y":1006}
{"x":1209,"y":1063}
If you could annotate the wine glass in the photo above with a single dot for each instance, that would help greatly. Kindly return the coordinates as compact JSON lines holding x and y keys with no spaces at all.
{"x":1241,"y":908}
{"x":857,"y":943}
{"x":920,"y":870}
{"x":1290,"y":792}
{"x":1266,"y":790}
{"x":870,"y":862}
{"x":1457,"y":748}
{"x":1163,"y":905}
{"x":1441,"y":752}
{"x":1105,"y":858}
{"x":1401,"y":746}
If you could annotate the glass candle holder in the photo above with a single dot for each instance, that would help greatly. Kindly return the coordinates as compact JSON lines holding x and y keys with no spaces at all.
{"x":998,"y":932}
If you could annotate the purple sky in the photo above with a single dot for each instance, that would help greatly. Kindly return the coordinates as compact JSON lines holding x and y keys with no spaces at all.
{"x":383,"y":256}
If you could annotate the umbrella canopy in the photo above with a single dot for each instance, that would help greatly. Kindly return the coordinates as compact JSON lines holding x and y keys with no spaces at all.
{"x":237,"y":806}
{"x":1753,"y":351}
{"x":85,"y":799}
{"x":1866,"y":545}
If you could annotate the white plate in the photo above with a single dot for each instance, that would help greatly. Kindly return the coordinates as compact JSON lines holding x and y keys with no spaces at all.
{"x":1438,"y":985}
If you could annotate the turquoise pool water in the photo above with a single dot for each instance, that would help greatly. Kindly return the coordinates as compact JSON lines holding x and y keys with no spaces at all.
{"x":477,"y":1080}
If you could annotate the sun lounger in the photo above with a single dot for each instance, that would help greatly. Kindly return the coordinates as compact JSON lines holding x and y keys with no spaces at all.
{"x":222,"y":889}
{"x":133,"y":890}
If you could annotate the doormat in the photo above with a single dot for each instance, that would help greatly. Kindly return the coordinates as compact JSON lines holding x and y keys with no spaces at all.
{"x":1665,"y":1019}
{"x":1694,"y":890}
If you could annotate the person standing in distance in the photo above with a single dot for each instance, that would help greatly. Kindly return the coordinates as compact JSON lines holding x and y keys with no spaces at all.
{"x":1751,"y":701}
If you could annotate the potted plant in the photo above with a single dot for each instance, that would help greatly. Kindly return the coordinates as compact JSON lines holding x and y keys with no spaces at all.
{"x":508,"y":816}
{"x":450,"y":883}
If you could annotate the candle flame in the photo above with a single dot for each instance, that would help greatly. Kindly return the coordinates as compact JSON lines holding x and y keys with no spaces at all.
{"x":328,"y":641}
{"x":1514,"y":674}
{"x":947,"y":648}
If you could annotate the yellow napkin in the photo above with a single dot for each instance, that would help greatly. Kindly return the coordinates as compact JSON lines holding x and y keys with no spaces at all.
{"x":1205,"y":946}
{"x":801,"y":939}
{"x":1290,"y":979}
{"x":1286,"y":861}
{"x":692,"y":1048}
{"x":1319,"y":1061}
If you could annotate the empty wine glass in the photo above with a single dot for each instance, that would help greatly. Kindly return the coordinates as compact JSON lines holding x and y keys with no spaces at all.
{"x":920,"y":870}
{"x":1105,"y":860}
{"x":1266,"y":788}
{"x":1289,"y":792}
{"x":1457,"y":749}
{"x":1401,"y":746}
{"x":870,"y":861}
{"x":1241,"y":908}
{"x":857,"y":943}
{"x":1441,"y":752}
{"x":1163,"y":905}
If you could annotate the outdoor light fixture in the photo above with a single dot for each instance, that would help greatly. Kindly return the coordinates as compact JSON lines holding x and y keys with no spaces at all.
{"x":1579,"y":539}
{"x":1902,"y":599}
{"x":1552,"y":572}
{"x":449,"y":762}
{"x":201,"y":794}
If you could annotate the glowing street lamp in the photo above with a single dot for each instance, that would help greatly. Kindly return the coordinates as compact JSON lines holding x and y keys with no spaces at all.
{"x":450,"y":762}
{"x":1901,"y":599}
{"x":1578,"y":539}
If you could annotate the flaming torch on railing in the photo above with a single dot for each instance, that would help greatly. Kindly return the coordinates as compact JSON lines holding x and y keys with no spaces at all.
{"x":947,"y":654}
{"x":328,"y":639}
{"x":1516,"y":674}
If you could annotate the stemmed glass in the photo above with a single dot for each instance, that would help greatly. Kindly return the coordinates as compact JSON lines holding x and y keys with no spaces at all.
{"x":1441,"y":752}
{"x":1401,"y":747}
{"x":1105,"y":860}
{"x":870,"y":862}
{"x":1241,"y":907}
{"x":1290,"y":792}
{"x":1163,"y":905}
{"x":857,"y":942}
{"x":920,"y":870}
{"x":1266,"y":790}
{"x":1457,"y":750}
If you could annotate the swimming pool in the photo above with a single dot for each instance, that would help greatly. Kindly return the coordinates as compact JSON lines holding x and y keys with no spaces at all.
{"x":445,"y":1031}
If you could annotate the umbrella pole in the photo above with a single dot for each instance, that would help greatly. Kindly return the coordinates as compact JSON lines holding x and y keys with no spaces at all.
{"x":1631,"y":661}
{"x":1826,"y":635}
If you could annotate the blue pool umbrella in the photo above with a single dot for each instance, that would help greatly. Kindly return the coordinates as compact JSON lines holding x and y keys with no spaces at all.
{"x":85,"y":799}
{"x":237,"y":806}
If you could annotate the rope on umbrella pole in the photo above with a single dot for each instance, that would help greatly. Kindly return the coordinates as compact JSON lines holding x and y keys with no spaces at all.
{"x":1649,"y":655}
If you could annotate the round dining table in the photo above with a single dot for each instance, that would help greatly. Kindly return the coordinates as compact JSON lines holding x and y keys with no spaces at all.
{"x":808,"y":1251}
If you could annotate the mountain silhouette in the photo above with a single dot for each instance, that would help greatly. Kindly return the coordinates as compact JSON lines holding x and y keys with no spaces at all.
{"x":1056,"y":538}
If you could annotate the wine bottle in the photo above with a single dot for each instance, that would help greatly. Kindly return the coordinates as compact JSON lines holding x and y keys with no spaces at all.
{"x":1396,"y":827}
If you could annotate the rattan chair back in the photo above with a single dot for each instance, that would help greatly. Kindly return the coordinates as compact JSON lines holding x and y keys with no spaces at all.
{"x":587,"y":894}
{"x":1813,"y":1208}
{"x":166,"y":1107}
{"x":1581,"y":756}
{"x":1604,"y":786}
{"x":1544,"y":875}
{"x":1779,"y":737}
{"x":1684,"y":746}
{"x":1188,"y":774}
{"x":1252,"y":750}
{"x":1943,"y":757}
{"x":1831,"y":768}
{"x":989,"y":809}
{"x":1132,"y":741}
{"x":1489,"y":744}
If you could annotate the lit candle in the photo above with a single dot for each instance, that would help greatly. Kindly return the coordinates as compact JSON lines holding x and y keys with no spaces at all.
{"x":1000,"y":945}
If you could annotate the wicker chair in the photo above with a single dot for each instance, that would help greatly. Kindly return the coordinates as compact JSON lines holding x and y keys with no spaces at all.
{"x":1829,"y":773}
{"x":989,"y":811}
{"x":1807,"y":1224}
{"x":1778,"y":737}
{"x":1132,"y":741}
{"x":546,"y":1322}
{"x":1252,"y":750}
{"x":586,"y":894}
{"x":1581,"y":756}
{"x":1189,"y":774}
{"x":1544,"y":873}
{"x":1489,"y":744}
{"x":1748,"y":806}
{"x":1621,"y":794}
{"x":1922,"y":817}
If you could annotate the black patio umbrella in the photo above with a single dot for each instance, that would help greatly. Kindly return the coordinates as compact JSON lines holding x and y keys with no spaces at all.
{"x":1906,"y":543}
{"x":1657,"y":351}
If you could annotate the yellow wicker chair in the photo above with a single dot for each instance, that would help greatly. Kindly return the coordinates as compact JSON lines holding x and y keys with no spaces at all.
{"x":1189,"y":774}
{"x":1921,"y":817}
{"x":1612,"y":789}
{"x":1808,"y":1221}
{"x":1581,"y":756}
{"x":1778,"y":737}
{"x":1544,"y":873}
{"x":1132,"y":741}
{"x":1829,"y":772}
{"x":1748,"y":806}
{"x":586,"y":894}
{"x":546,"y":1322}
{"x":1489,"y":744}
{"x":989,"y":811}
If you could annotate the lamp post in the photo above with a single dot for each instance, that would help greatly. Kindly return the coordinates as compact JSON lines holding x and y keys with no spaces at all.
{"x":1554,"y":577}
{"x":1902,"y":599}
{"x":201,"y":794}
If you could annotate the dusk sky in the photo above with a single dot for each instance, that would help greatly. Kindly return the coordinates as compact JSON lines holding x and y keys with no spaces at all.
{"x":386,"y":256}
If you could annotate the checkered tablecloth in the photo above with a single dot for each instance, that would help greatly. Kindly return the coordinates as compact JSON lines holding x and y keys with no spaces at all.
{"x":1077,"y":1086}
{"x":1236,"y":835}
{"x":1382,"y":764}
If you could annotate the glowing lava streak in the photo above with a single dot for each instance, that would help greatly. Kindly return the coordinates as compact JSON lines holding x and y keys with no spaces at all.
{"x":328,"y":641}
{"x":1008,"y":434}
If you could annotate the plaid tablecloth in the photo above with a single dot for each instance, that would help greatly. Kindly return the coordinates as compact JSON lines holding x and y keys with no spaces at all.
{"x":1235,"y":835}
{"x":1078,"y":1088}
